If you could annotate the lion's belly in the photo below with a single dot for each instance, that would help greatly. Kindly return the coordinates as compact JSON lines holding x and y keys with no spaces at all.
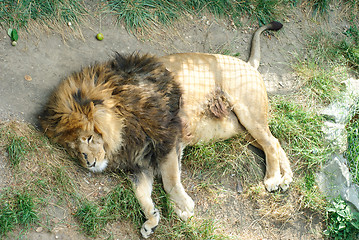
{"x":202,"y":129}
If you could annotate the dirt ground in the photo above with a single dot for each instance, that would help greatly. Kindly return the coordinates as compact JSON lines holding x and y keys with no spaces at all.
{"x":48,"y":58}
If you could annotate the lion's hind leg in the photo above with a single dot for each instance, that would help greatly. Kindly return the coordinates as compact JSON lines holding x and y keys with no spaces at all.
{"x":171,"y":178}
{"x":142,"y":185}
{"x":278,"y":172}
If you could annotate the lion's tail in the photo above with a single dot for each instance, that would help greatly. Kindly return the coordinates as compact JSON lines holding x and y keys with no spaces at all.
{"x":255,"y":55}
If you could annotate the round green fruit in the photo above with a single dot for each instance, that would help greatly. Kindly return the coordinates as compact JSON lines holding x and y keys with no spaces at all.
{"x":99,"y":36}
{"x":13,"y":43}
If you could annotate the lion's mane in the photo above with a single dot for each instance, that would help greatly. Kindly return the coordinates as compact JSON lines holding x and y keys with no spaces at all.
{"x":132,"y":101}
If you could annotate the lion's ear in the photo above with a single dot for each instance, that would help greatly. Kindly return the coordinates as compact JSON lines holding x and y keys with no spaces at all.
{"x":83,"y":139}
{"x":86,"y":139}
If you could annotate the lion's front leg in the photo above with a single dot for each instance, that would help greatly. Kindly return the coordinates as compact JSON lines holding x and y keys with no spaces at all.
{"x":171,"y":178}
{"x":142,"y":185}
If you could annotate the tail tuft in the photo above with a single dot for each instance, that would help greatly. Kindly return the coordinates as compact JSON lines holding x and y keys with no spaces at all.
{"x":275,"y":26}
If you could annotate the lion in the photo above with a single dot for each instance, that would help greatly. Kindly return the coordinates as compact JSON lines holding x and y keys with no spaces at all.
{"x":138,"y":112}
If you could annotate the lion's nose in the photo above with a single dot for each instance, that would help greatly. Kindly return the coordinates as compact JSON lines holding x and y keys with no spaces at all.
{"x":91,"y":165}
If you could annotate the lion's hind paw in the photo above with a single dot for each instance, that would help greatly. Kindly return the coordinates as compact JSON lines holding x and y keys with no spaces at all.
{"x":275,"y":183}
{"x":272,"y":184}
{"x":286,"y":181}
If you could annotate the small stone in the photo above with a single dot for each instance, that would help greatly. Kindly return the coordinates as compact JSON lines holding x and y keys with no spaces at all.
{"x":39,"y":229}
{"x":28,"y":78}
{"x":239,"y":187}
{"x":69,"y":24}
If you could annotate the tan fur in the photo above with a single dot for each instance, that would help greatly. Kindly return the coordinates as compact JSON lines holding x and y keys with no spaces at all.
{"x":201,"y":75}
{"x":139,"y":112}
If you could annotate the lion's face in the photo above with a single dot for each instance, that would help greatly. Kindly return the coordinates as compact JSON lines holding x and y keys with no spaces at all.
{"x":89,"y":148}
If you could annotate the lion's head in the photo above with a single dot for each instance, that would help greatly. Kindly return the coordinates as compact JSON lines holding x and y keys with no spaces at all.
{"x":81,"y":116}
{"x":89,"y":149}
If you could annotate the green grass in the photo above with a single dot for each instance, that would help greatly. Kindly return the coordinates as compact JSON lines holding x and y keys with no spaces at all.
{"x":16,"y":209}
{"x":146,"y":15}
{"x":17,"y":149}
{"x":320,"y":6}
{"x":231,"y":157}
{"x":18,"y":14}
{"x":140,"y":15}
{"x":120,"y":204}
{"x":352,"y":152}
{"x":90,"y":218}
{"x":329,"y":61}
{"x":301,"y":129}
{"x":143,"y":15}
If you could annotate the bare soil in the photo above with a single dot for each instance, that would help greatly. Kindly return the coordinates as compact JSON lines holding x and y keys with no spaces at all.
{"x":49,"y":56}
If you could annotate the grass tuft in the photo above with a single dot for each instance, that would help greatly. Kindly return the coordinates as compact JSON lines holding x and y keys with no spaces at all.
{"x":301,"y":129}
{"x":320,"y":7}
{"x":141,"y":15}
{"x":25,"y":209}
{"x":326,"y":62}
{"x":230,"y":157}
{"x":17,"y":149}
{"x":8,"y":217}
{"x":144,"y":15}
{"x":16,"y":209}
{"x":90,"y":217}
{"x":18,"y":14}
{"x":120,"y":203}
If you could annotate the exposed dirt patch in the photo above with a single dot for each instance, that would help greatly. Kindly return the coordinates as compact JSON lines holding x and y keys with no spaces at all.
{"x":48,"y":58}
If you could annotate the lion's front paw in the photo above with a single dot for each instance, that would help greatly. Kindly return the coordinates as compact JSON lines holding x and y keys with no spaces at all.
{"x":185,"y":208}
{"x":150,"y":225}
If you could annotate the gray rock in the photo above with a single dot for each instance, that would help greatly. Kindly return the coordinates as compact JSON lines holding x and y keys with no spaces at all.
{"x":335,"y":180}
{"x":335,"y":134}
{"x":341,"y":110}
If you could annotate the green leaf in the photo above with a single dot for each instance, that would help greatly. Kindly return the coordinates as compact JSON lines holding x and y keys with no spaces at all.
{"x":331,"y":209}
{"x":9,"y":32}
{"x":14,"y":36}
{"x":341,"y":226}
